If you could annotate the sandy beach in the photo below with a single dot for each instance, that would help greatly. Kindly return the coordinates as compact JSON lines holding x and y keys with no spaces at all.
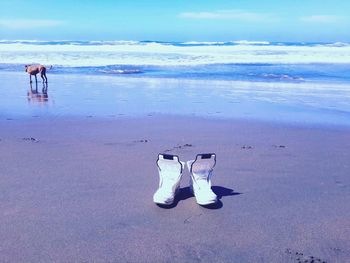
{"x":104,"y":105}
{"x":79,"y":189}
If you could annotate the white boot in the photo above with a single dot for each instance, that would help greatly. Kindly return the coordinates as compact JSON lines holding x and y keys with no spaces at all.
{"x":170,"y":171}
{"x":200,"y":183}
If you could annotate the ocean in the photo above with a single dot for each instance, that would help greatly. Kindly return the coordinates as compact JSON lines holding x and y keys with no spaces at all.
{"x":235,"y":60}
{"x":261,"y":79}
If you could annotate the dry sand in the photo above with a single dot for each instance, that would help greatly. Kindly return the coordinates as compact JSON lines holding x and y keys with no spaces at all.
{"x":80,"y":190}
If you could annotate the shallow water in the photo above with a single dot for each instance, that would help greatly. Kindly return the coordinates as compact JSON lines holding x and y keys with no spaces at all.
{"x":107,"y":96}
{"x":235,"y":60}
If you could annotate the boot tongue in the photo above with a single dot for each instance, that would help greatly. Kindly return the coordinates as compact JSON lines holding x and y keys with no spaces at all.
{"x":202,"y":167}
{"x":201,"y":178}
{"x":170,"y":171}
{"x":201,"y":175}
{"x":169,"y":182}
{"x":203,"y":184}
{"x":201,"y":172}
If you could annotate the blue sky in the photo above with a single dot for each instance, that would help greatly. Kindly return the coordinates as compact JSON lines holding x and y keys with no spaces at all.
{"x":177,"y":20}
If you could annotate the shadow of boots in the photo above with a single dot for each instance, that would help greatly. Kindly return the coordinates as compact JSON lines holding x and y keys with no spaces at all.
{"x":186,"y":193}
{"x":220,"y":192}
{"x":183,"y":194}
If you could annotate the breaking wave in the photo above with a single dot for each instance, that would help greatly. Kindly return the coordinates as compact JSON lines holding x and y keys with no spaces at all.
{"x":104,"y":53}
{"x":232,"y":60}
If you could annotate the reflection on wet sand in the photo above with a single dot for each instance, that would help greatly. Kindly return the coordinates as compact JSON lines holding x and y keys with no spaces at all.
{"x":35,"y":96}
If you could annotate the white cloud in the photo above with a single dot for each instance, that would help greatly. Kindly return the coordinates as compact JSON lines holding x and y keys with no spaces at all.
{"x":29,"y":23}
{"x":227,"y":14}
{"x":322,"y":19}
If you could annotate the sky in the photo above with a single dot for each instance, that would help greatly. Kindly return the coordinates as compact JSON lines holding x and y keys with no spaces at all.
{"x":177,"y":20}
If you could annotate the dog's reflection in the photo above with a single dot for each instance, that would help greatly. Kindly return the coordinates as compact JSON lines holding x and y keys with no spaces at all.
{"x":36,"y":96}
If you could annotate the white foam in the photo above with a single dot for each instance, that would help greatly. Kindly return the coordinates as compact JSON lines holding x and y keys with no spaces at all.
{"x":203,"y":43}
{"x":121,"y":71}
{"x":338,"y":44}
{"x":246,"y":42}
{"x":136,"y":53}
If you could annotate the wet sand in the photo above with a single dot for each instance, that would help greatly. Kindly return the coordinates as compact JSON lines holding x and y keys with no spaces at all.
{"x":105,"y":96}
{"x":80,"y":190}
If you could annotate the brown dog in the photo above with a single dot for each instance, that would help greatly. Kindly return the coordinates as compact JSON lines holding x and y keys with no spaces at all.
{"x":35,"y":69}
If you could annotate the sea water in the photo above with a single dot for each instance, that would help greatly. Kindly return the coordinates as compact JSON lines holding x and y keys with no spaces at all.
{"x":252,"y":79}
{"x":240,"y":60}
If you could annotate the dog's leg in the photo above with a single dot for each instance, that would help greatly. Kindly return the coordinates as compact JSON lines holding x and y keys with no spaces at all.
{"x":43,"y":74}
{"x":44,"y":90}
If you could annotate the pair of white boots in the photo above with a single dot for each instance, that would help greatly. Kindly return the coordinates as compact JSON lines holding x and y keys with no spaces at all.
{"x":170,"y":173}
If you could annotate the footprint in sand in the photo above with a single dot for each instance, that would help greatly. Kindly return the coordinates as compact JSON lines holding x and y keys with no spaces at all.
{"x":340,"y":184}
{"x":247,"y":147}
{"x":301,"y":258}
{"x":30,"y":139}
{"x":144,"y":141}
{"x":133,"y":143}
{"x":279,"y":146}
{"x":187,"y":145}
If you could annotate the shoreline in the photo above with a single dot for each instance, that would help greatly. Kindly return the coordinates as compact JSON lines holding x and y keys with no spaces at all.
{"x":143,"y":76}
{"x":101,"y":96}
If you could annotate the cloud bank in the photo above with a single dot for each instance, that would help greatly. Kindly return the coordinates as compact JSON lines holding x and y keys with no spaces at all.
{"x":29,"y":23}
{"x":322,"y":19}
{"x":226,"y":14}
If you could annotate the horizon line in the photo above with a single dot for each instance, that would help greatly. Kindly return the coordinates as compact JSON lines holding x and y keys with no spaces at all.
{"x":266,"y":41}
